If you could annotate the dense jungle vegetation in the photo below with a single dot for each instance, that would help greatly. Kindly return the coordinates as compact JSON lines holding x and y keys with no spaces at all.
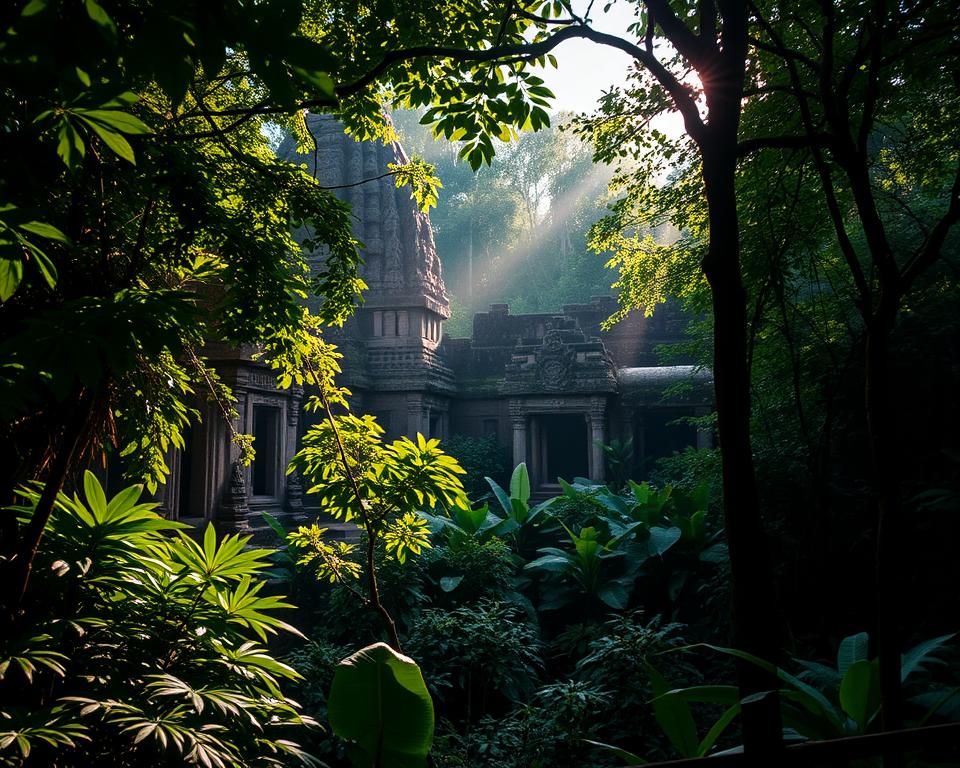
{"x":797,"y":584}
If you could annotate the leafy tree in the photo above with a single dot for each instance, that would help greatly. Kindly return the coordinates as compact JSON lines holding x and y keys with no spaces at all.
{"x":142,"y":647}
{"x":356,"y":477}
{"x":144,"y":213}
{"x":875,"y":98}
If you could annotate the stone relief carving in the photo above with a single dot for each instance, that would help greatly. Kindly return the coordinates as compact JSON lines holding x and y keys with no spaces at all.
{"x":554,"y":362}
{"x":233,"y":505}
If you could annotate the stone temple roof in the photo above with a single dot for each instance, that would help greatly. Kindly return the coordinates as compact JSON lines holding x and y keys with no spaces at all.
{"x":648,"y":383}
{"x":401,"y":266}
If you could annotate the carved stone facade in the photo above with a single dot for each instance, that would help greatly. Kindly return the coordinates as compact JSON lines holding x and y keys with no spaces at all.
{"x":551,"y":388}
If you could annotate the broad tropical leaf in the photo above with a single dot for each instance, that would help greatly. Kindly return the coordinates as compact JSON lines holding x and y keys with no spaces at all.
{"x":379,"y":702}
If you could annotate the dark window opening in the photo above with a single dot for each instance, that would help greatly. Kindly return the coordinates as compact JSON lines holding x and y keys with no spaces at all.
{"x":663,"y":436}
{"x":435,"y":425}
{"x":266,"y":420}
{"x":186,"y":474}
{"x":566,"y":444}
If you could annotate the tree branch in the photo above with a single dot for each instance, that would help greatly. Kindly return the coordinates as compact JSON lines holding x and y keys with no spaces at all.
{"x":826,"y":180}
{"x":692,"y":48}
{"x":929,"y":252}
{"x":748,"y":146}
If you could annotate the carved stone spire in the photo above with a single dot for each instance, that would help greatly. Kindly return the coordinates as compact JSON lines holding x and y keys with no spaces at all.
{"x":401,"y":266}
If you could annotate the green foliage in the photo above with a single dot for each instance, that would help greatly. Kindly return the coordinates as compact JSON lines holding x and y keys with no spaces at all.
{"x":468,"y":568}
{"x":821,"y":702}
{"x":197,"y":246}
{"x":583,"y":571}
{"x":518,"y":514}
{"x":393,"y":479}
{"x":484,"y":650}
{"x":143,"y":648}
{"x":623,"y":658}
{"x":481,"y":457}
{"x":379,"y":704}
{"x":382,"y":488}
{"x":660,"y":537}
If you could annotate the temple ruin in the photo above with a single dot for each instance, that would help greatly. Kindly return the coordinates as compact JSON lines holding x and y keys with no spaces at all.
{"x":552,"y":388}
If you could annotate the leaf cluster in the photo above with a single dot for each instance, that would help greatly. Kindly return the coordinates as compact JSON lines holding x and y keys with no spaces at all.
{"x":145,"y":645}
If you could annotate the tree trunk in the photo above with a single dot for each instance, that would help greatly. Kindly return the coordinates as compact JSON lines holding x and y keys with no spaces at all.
{"x":757,"y":627}
{"x":881,"y":428}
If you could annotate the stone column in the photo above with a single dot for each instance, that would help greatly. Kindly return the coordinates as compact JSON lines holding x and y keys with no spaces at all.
{"x":537,"y":468}
{"x":627,"y":433}
{"x":519,"y":421}
{"x":415,"y":413}
{"x":598,"y":437}
{"x":294,"y":488}
{"x":234,"y":513}
{"x":704,"y":435}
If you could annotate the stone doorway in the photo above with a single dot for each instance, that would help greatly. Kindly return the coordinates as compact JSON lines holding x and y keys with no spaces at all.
{"x":266,"y":435}
{"x":564,"y":446}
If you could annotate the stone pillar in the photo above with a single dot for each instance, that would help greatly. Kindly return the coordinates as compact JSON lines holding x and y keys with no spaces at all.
{"x":519,"y":421}
{"x":704,"y":435}
{"x":415,"y":413}
{"x":598,"y":437}
{"x":167,"y":494}
{"x":294,"y":488}
{"x":234,"y":513}
{"x":537,"y":468}
{"x":628,"y":434}
{"x":640,"y":443}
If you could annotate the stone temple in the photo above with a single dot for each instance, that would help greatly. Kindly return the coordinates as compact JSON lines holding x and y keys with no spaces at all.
{"x":552,"y":388}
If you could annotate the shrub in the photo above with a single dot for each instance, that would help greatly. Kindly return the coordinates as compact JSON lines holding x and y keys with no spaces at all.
{"x":620,"y":659}
{"x":481,"y":457}
{"x":482,"y":650}
{"x":469,"y":569}
{"x":550,"y":731}
{"x":141,"y":648}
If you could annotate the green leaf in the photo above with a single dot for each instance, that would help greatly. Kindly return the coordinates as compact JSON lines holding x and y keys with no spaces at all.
{"x":852,"y":649}
{"x":34,"y":7}
{"x":116,"y":120}
{"x":319,"y":79}
{"x":378,"y":701}
{"x":615,"y":593}
{"x":860,"y":691}
{"x":96,"y":498}
{"x":501,"y":496}
{"x":914,"y":659}
{"x":100,"y":17}
{"x":628,"y":757}
{"x":115,"y":141}
{"x":806,"y":695}
{"x":450,"y":583}
{"x":275,"y":525}
{"x":70,"y":146}
{"x":520,"y":483}
{"x":44,"y":230}
{"x":11,"y":273}
{"x":718,"y":728}
{"x":674,"y":716}
{"x":661,"y":539}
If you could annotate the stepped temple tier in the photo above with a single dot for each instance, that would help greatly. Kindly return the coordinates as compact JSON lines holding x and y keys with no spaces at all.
{"x":552,"y":388}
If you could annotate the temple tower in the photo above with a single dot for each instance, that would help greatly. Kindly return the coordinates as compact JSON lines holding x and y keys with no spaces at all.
{"x":391,"y":358}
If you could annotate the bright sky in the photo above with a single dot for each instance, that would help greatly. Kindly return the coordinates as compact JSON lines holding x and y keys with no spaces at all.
{"x":585,"y":69}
